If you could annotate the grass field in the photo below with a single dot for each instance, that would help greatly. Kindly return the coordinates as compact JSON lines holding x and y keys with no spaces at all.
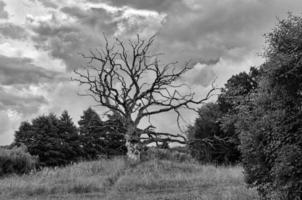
{"x":117,"y":180}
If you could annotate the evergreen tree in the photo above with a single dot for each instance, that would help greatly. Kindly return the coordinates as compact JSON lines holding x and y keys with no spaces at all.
{"x":70,"y":137}
{"x":25,"y":134}
{"x":54,"y":140}
{"x":114,"y":135}
{"x":90,"y":126}
{"x":46,"y":142}
{"x":101,"y":137}
{"x":216,"y":122}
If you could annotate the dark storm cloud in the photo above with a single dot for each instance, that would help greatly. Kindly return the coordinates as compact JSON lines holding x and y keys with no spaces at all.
{"x":97,"y":20}
{"x":62,"y":42}
{"x":192,"y":30}
{"x":196,"y":29}
{"x":213,"y":29}
{"x":12,"y":31}
{"x":21,"y":71}
{"x":230,"y":29}
{"x":25,"y":104}
{"x":3,"y":12}
{"x":68,"y":41}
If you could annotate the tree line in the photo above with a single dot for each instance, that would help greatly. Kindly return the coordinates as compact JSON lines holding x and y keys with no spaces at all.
{"x":57,"y":141}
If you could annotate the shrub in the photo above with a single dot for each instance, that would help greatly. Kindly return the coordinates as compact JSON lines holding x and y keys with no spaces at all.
{"x":16,"y":160}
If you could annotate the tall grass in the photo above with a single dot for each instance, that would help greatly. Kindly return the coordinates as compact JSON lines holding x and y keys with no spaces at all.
{"x":117,"y":180}
{"x":85,"y":177}
{"x":164,"y":179}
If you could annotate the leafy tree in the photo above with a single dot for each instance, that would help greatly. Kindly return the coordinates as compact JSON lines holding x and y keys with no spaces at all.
{"x":236,"y":88}
{"x":219,"y":147}
{"x":205,"y":127}
{"x":270,"y":119}
{"x":232,"y":96}
{"x":216,"y":121}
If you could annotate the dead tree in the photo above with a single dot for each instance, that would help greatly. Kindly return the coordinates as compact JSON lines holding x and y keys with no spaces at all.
{"x":127,"y":79}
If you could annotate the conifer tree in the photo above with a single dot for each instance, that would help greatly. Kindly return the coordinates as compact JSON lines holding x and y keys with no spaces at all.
{"x":70,"y":136}
{"x":54,"y":140}
{"x":90,"y":128}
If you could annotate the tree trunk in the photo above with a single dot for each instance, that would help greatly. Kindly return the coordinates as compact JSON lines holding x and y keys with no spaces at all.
{"x":133,"y":151}
{"x":132,"y":144}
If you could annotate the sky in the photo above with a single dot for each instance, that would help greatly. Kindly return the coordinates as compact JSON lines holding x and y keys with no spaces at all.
{"x":41,"y":42}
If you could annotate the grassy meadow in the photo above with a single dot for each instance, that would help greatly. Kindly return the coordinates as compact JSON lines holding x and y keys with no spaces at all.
{"x":116,"y":179}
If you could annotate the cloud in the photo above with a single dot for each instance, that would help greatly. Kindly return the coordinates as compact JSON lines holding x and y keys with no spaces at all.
{"x":3,"y":12}
{"x":9,"y":121}
{"x":64,"y":96}
{"x":64,"y":41}
{"x":201,"y":74}
{"x":81,"y":29}
{"x":20,"y":71}
{"x":49,"y":3}
{"x":158,"y":5}
{"x":12,"y":31}
{"x":4,"y":122}
{"x":20,"y":101}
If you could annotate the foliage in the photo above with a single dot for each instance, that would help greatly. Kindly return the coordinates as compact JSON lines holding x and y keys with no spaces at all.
{"x":213,"y":137}
{"x":270,"y":118}
{"x":89,"y":126}
{"x":16,"y":160}
{"x":236,"y":88}
{"x":68,"y":133}
{"x":54,"y":140}
{"x":206,"y":126}
{"x":208,"y":142}
{"x":101,"y":137}
{"x":114,"y":136}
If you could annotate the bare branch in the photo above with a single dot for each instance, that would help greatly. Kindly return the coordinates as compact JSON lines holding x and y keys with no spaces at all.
{"x":127,"y":78}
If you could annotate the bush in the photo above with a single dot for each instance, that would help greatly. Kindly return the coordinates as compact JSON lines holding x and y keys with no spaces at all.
{"x":287,"y":172}
{"x":16,"y":160}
